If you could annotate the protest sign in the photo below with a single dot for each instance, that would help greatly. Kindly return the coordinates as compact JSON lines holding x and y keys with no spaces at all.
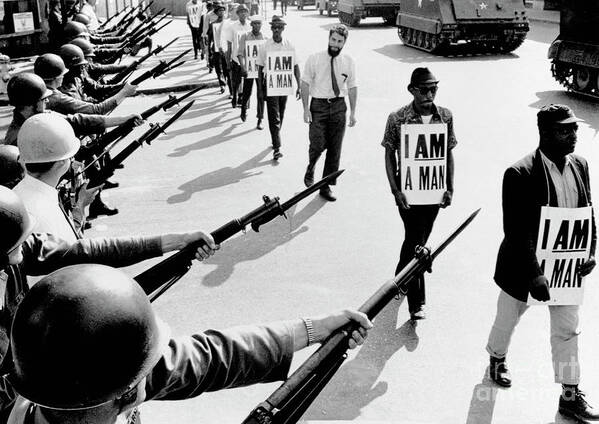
{"x":251,"y":55}
{"x":563,"y":244}
{"x":423,"y":173}
{"x":279,"y":72}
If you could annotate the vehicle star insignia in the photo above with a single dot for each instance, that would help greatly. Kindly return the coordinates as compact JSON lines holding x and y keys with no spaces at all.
{"x":483,"y":5}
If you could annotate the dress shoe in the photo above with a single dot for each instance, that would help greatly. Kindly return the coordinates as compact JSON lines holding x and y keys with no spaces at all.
{"x":327,"y":194}
{"x":277,"y":154}
{"x":259,"y":125}
{"x":110,"y":184}
{"x":309,"y":176}
{"x":243,"y":115}
{"x":222,"y":90}
{"x":418,"y":314}
{"x":576,"y":406}
{"x":98,"y":208}
{"x":87,"y":225}
{"x":119,"y":166}
{"x":499,"y":372}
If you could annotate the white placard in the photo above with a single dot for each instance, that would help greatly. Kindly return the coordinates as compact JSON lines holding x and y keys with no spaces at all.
{"x":279,"y":72}
{"x":23,"y":21}
{"x":423,"y":173}
{"x":564,"y":242}
{"x":251,"y":54}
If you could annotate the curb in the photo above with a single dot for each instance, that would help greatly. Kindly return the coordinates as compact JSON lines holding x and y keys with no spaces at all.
{"x":177,"y":88}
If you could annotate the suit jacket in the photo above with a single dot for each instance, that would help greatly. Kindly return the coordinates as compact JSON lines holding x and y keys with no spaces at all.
{"x":527,"y":187}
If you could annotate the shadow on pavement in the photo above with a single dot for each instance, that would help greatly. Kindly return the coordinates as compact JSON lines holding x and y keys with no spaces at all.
{"x":584,"y":107}
{"x":459,"y":53}
{"x":482,"y":404}
{"x":543,"y":32}
{"x":221,"y":177}
{"x":252,"y":246}
{"x":355,"y":384}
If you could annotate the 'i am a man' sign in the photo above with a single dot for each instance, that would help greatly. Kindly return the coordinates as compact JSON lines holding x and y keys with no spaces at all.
{"x":251,"y":55}
{"x":279,"y":73}
{"x":563,"y":244}
{"x":423,"y":173}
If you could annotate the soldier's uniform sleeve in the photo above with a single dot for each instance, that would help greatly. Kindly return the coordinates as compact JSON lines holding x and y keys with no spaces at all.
{"x":86,"y":124}
{"x":45,"y":253}
{"x":68,"y":105}
{"x":216,"y":360}
{"x":96,"y":39}
{"x":391,"y":138}
{"x":100,"y":91}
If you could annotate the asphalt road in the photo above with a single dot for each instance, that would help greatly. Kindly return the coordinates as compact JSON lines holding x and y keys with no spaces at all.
{"x":210,"y":167}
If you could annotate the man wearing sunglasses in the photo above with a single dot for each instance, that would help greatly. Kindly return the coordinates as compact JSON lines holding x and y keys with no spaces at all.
{"x":550,"y":176}
{"x":418,"y":219}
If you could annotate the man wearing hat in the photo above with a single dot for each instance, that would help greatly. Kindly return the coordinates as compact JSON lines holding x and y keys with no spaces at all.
{"x":254,"y":36}
{"x":233,"y":33}
{"x":208,"y":17}
{"x":275,"y":105}
{"x":418,"y":219}
{"x":550,"y":176}
{"x":195,"y":11}
{"x":216,"y":49}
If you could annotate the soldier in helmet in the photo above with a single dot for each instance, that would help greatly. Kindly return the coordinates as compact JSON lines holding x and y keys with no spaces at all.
{"x":24,"y":253}
{"x":88,"y":348}
{"x":96,"y":70}
{"x":13,"y":171}
{"x":51,"y":69}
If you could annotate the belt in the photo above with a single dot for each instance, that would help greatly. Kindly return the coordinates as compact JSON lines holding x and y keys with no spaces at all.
{"x":329,"y":100}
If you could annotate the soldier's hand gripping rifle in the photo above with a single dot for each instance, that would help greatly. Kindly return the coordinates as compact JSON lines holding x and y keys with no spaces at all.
{"x":135,"y":64}
{"x":151,"y":29}
{"x":146,"y":23}
{"x":101,"y":143}
{"x":157,"y":279}
{"x":131,"y":18}
{"x":155,"y":130}
{"x":160,"y":69}
{"x":287,"y":404}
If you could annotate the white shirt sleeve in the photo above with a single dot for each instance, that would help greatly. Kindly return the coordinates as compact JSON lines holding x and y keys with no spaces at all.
{"x":308,"y":74}
{"x":351,"y":80}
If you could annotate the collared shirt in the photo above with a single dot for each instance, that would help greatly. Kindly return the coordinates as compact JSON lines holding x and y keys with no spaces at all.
{"x":564,"y":182}
{"x":317,"y":74}
{"x":272,"y":46}
{"x":208,"y":17}
{"x":407,"y":115}
{"x":234,"y":32}
{"x":41,"y":201}
{"x":194,"y":13}
{"x":217,"y":28}
{"x":248,"y":36}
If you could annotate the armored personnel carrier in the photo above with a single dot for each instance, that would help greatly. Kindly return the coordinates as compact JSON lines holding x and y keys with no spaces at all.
{"x":351,"y":12}
{"x":575,"y":53}
{"x":487,"y":26}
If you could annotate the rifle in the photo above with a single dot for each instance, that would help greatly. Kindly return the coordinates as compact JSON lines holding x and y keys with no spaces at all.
{"x":103,"y":24}
{"x":123,"y":130}
{"x":142,"y":24}
{"x":131,"y":18}
{"x":159,"y":278}
{"x":122,"y":20}
{"x":160,"y":69}
{"x":288,"y":403}
{"x":155,"y":130}
{"x":149,"y":30}
{"x":127,"y":46}
{"x":135,"y":64}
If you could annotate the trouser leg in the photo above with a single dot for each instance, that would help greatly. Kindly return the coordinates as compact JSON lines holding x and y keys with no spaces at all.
{"x":259,"y":100}
{"x":509,"y":311}
{"x":317,"y":132}
{"x":274,"y":120}
{"x":564,"y":343}
{"x":335,"y":130}
{"x":236,"y":81}
{"x":418,"y":223}
{"x":246,"y":93}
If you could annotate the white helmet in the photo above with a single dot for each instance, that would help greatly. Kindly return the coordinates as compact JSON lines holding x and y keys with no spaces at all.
{"x":46,"y":137}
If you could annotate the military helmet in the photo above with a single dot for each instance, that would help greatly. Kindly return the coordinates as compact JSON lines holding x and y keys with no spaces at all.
{"x":26,"y":89}
{"x":46,"y":137}
{"x":11,"y":170}
{"x":15,"y":222}
{"x":83,"y":336}
{"x":72,"y":55}
{"x":49,"y":66}
{"x":74,"y":29}
{"x":85,"y":46}
{"x":82,"y":18}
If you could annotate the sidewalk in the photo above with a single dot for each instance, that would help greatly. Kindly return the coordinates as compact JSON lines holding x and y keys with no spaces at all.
{"x":537,"y":14}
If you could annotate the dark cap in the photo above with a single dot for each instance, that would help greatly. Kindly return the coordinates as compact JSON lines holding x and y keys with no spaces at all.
{"x":422,"y":76}
{"x":555,"y":114}
{"x":241,"y":8}
{"x":277,"y":20}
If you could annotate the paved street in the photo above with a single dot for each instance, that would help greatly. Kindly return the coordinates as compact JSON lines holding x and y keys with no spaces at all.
{"x":210,"y":167}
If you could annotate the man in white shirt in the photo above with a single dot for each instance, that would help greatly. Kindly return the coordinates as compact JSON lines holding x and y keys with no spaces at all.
{"x":215,"y":46}
{"x":235,"y":30}
{"x":208,"y":17}
{"x":328,"y":77}
{"x":194,"y":11}
{"x":275,"y":105}
{"x":255,"y":35}
{"x":47,"y":144}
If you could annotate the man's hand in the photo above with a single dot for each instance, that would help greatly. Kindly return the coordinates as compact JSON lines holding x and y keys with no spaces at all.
{"x":352,"y":120}
{"x":298,"y":93}
{"x":129,"y":90}
{"x":539,"y":289}
{"x":324,"y":326}
{"x":446,"y":201}
{"x":307,"y":116}
{"x":172,"y":242}
{"x":136,"y":118}
{"x":401,"y":200}
{"x":85,"y":197}
{"x":586,"y":267}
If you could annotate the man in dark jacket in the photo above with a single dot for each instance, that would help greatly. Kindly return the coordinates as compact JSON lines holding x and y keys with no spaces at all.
{"x":550,"y":176}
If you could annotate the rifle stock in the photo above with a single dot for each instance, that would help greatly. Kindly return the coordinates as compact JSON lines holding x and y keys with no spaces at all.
{"x":288,"y":403}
